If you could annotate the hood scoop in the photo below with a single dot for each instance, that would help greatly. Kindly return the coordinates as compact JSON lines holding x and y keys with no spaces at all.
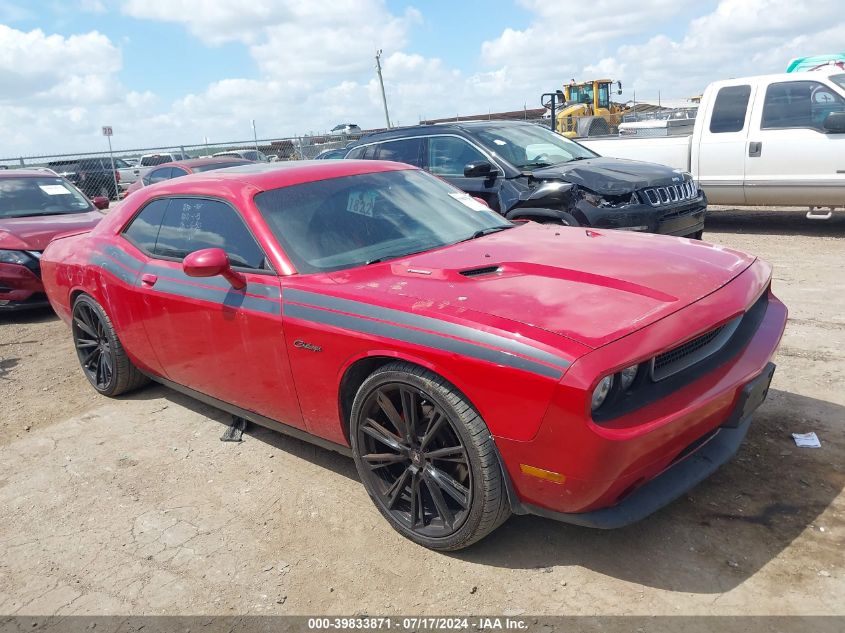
{"x":481,"y":272}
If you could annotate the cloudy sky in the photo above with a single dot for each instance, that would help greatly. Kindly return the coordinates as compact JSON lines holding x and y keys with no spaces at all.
{"x":170,"y":72}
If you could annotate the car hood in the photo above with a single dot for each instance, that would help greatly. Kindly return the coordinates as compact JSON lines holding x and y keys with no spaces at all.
{"x":591,"y":286}
{"x":34,"y":233}
{"x":611,"y":176}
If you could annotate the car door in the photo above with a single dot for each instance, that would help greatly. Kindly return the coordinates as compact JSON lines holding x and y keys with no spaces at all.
{"x":446,"y":157}
{"x":721,"y":152}
{"x":208,"y":336}
{"x":792,"y":159}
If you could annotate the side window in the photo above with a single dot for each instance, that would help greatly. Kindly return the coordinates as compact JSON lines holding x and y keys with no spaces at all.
{"x":191,"y":224}
{"x":175,"y":172}
{"x":803,"y":104}
{"x":366,"y":152}
{"x":157,"y":175}
{"x":729,"y":109}
{"x":404,"y":151}
{"x":447,"y":155}
{"x":143,"y":230}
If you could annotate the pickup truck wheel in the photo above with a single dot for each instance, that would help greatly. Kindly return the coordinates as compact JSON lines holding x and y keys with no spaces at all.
{"x":426,"y":458}
{"x":103,"y":359}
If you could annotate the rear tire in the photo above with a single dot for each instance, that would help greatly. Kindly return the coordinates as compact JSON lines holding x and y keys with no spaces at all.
{"x":437,"y":480}
{"x":101,"y":355}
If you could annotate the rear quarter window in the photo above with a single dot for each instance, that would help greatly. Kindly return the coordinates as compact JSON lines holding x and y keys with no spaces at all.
{"x":729,"y":109}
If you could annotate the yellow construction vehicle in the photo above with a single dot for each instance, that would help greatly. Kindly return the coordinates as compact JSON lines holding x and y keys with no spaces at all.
{"x":587,"y":109}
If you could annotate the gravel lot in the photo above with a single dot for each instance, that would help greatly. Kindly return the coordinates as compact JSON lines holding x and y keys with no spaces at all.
{"x":133,"y":506}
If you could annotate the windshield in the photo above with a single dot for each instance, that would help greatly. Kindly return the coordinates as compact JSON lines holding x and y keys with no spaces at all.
{"x":529,"y":146}
{"x":21,"y":197}
{"x":344,"y":222}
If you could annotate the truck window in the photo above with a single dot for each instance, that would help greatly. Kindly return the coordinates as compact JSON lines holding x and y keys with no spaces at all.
{"x":799,"y":104}
{"x":729,"y":109}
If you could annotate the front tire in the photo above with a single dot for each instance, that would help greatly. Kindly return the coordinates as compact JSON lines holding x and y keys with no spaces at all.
{"x":426,"y":458}
{"x":103,"y":359}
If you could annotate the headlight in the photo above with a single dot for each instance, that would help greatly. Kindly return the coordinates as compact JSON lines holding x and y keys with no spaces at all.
{"x":15,"y":257}
{"x":601,"y":391}
{"x":627,"y":375}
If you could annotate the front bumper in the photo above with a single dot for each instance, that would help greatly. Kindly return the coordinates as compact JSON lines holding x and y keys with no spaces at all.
{"x":20,"y":288}
{"x":681,"y":220}
{"x":603,"y":463}
{"x":695,"y":464}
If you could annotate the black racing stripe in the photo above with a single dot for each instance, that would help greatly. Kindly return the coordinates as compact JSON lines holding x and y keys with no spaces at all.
{"x":121,"y":273}
{"x":423,"y":322}
{"x":399,"y":333}
{"x":124,"y":258}
{"x":231,"y":298}
{"x":266,"y":292}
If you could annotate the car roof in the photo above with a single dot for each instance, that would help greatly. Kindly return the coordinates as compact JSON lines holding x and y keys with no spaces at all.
{"x":265,"y":176}
{"x":466,"y":127}
{"x":26,"y":173}
{"x":199,"y":162}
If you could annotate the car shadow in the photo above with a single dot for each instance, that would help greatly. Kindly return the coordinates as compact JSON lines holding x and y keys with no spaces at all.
{"x":772,"y":222}
{"x":28,"y":316}
{"x":710,"y":541}
{"x":335,"y":462}
{"x":721,"y":533}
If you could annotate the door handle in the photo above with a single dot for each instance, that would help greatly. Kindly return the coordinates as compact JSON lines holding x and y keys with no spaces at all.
{"x":148,"y":280}
{"x":755,"y":148}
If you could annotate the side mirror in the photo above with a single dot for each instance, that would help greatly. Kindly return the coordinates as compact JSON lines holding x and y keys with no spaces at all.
{"x":101,"y":202}
{"x":478,"y":169}
{"x":835,"y":122}
{"x":210,"y":262}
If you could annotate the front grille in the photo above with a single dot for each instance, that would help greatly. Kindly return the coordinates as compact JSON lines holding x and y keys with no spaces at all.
{"x":693,"y":351}
{"x":670,"y":194}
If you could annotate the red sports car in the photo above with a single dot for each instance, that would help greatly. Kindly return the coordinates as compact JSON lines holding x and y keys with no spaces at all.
{"x":35,"y":206}
{"x":179,"y":168}
{"x":472,"y":367}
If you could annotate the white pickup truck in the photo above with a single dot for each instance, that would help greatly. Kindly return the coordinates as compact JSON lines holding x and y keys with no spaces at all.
{"x":766,"y":140}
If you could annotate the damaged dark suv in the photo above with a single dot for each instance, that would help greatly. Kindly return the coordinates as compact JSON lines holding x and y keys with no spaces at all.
{"x":523,"y":170}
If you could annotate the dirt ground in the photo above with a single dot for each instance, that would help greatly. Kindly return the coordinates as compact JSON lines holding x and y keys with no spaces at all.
{"x":134,"y":506}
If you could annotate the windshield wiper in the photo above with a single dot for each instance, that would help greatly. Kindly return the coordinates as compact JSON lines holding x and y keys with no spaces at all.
{"x":488,"y":231}
{"x":540,"y":163}
{"x":379,"y":260}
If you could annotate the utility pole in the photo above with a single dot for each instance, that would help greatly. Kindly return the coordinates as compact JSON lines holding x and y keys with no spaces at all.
{"x":381,"y":83}
{"x":254,"y":135}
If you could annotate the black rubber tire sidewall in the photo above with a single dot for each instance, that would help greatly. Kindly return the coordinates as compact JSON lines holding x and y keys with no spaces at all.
{"x":125,"y":376}
{"x":489,"y":507}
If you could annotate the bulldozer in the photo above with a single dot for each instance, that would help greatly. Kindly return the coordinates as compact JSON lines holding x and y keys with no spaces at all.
{"x":587,"y":109}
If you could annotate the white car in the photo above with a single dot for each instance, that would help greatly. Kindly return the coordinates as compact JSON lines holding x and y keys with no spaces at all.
{"x":246,"y":154}
{"x":344,"y":129}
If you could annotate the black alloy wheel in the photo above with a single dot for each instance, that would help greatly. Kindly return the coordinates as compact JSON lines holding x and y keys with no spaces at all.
{"x":424,"y":456}
{"x":101,"y":355}
{"x":93,"y":346}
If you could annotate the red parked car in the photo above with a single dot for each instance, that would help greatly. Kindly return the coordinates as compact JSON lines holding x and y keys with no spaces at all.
{"x":472,"y":367}
{"x":35,"y":206}
{"x":179,"y":168}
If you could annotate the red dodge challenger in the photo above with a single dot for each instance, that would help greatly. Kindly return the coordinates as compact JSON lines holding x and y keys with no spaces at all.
{"x":472,"y":367}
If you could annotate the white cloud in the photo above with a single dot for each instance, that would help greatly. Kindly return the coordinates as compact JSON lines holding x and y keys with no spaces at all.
{"x":314,"y":66}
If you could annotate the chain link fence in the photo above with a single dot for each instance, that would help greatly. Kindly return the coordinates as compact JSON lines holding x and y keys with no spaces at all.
{"x":102,"y":174}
